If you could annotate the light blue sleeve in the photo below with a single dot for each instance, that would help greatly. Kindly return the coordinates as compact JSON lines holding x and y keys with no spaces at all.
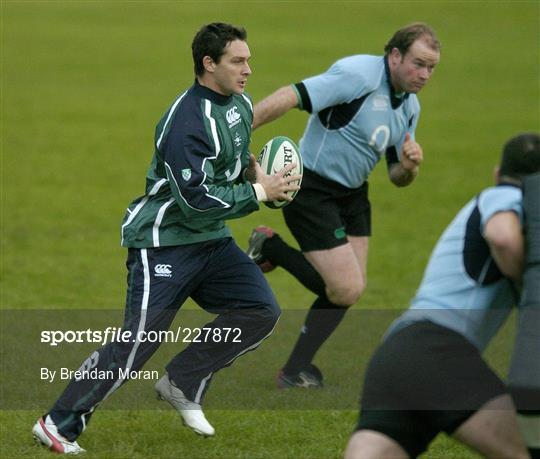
{"x":415,"y":113}
{"x":502,"y":198}
{"x":343,"y":82}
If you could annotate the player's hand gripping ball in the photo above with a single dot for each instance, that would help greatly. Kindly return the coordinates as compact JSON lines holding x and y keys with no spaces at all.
{"x":275,"y":155}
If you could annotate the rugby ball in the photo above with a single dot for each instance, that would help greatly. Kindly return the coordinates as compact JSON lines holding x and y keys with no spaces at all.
{"x":275,"y":155}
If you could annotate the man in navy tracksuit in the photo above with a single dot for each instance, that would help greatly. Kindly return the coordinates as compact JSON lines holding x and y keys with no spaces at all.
{"x":179,"y":246}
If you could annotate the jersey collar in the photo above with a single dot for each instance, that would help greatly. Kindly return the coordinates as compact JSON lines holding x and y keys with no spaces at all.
{"x":206,"y":93}
{"x":394,"y":99}
{"x":503,"y":183}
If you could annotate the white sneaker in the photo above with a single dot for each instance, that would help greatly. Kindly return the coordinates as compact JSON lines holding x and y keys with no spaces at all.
{"x":191,"y":412}
{"x":46,"y":433}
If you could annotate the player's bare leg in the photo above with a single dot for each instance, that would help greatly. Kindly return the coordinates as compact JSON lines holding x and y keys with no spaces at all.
{"x":343,"y":269}
{"x":493,"y":431}
{"x":368,"y":444}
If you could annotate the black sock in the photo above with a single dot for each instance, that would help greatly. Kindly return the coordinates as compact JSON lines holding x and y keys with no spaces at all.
{"x":279,"y":253}
{"x":321,"y":321}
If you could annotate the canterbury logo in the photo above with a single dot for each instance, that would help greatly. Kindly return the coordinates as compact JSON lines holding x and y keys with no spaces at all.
{"x":163,"y":271}
{"x":233,"y":117}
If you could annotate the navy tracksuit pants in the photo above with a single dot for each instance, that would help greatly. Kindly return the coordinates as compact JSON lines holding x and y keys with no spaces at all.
{"x":220,"y":278}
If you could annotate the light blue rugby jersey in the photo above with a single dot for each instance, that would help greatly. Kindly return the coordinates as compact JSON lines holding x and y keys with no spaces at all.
{"x":355,"y":118}
{"x":462,"y":288}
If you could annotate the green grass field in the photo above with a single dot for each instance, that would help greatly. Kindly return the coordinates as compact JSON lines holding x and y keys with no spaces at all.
{"x":83,"y":84}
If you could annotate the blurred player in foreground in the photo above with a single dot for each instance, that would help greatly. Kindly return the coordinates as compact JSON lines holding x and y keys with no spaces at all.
{"x":362,"y":108}
{"x":201,"y":174}
{"x":428,"y":376}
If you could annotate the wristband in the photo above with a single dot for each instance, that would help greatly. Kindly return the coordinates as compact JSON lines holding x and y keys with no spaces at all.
{"x":259,"y":192}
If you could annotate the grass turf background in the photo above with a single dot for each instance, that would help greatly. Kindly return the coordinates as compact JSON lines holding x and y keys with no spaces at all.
{"x":82,"y":86}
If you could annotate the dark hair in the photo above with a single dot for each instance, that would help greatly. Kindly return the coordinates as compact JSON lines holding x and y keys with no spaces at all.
{"x":405,"y":37}
{"x":521,"y":156}
{"x":211,"y":40}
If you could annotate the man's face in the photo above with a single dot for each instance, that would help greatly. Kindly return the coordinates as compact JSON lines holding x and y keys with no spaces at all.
{"x":411,"y":72}
{"x":231,"y":74}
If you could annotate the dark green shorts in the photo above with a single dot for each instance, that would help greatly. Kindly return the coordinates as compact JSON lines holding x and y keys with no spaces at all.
{"x":425,"y":379}
{"x":325,"y":212}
